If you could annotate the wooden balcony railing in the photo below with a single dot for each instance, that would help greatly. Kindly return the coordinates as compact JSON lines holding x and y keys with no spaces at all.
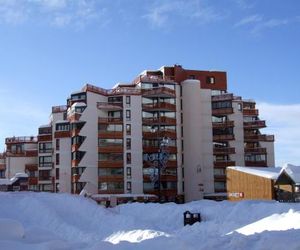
{"x":160,"y":91}
{"x":222,"y":111}
{"x":224,"y":164}
{"x":159,"y":106}
{"x":224,"y":151}
{"x":111,"y":163}
{"x":256,"y":163}
{"x":223,"y":97}
{"x":110,"y":149}
{"x":112,"y":120}
{"x":110,"y":134}
{"x":162,"y":121}
{"x":109,"y":106}
{"x":160,"y":134}
{"x":253,"y":137}
{"x":255,"y":150}
{"x":226,"y":124}
{"x":223,"y":137}
{"x":21,"y":139}
{"x":250,"y":112}
{"x":254,"y":124}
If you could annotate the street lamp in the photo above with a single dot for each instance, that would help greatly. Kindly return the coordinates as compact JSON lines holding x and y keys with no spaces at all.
{"x":161,"y":160}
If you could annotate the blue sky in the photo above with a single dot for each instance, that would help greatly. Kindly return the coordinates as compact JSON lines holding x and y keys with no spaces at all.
{"x":49,"y":48}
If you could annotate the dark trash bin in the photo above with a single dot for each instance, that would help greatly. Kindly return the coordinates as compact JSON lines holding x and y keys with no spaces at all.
{"x":191,"y":218}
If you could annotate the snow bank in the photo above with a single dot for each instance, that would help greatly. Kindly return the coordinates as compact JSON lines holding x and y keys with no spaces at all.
{"x":11,"y":229}
{"x":61,"y":221}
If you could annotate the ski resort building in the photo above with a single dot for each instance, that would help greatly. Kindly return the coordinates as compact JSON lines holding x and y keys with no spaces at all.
{"x":171,"y":132}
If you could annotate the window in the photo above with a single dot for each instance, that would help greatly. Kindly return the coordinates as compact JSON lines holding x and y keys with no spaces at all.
{"x":62,"y":127}
{"x":128,"y":115}
{"x":57,"y":173}
{"x":128,"y":100}
{"x":128,"y":172}
{"x":240,"y":107}
{"x":57,"y":159}
{"x":57,"y":144}
{"x":45,"y":161}
{"x":128,"y":158}
{"x":45,"y":147}
{"x":210,"y":80}
{"x":128,"y":129}
{"x":128,"y":143}
{"x":192,"y":77}
{"x":128,"y":186}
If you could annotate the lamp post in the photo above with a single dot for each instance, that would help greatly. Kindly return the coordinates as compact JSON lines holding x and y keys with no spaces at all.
{"x":162,"y":159}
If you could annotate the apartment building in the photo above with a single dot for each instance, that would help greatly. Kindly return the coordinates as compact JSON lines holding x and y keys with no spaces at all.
{"x":109,"y":142}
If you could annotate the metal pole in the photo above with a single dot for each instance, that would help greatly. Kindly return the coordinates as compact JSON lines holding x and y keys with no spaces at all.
{"x":159,"y":168}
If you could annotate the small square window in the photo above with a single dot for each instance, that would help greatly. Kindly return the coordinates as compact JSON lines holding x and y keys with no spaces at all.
{"x":128,"y":158}
{"x":210,"y":80}
{"x":128,"y":115}
{"x":128,"y":100}
{"x":128,"y":129}
{"x":128,"y":143}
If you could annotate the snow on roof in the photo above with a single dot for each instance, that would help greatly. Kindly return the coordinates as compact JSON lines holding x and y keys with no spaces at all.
{"x":13,"y":179}
{"x":266,"y":172}
{"x":293,"y":172}
{"x":78,"y":104}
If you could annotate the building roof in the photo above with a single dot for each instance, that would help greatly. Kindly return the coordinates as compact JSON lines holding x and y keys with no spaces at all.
{"x":13,"y":179}
{"x":273,"y":173}
{"x":292,"y":171}
{"x":269,"y":172}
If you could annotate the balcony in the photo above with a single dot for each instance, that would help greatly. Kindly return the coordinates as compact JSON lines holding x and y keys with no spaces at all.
{"x":223,"y":137}
{"x":256,"y":163}
{"x":110,"y":106}
{"x":254,"y":138}
{"x":160,"y":134}
{"x":155,"y":149}
{"x":75,"y":178}
{"x":59,"y":109}
{"x":224,"y":151}
{"x":110,"y":163}
{"x":110,"y":148}
{"x":169,"y":164}
{"x":42,"y":138}
{"x":250,"y":112}
{"x":226,"y":124}
{"x":162,"y":106}
{"x":223,"y":97}
{"x":62,"y":134}
{"x":159,"y":92}
{"x":222,"y":111}
{"x":104,"y":134}
{"x":159,"y":121}
{"x":163,"y":177}
{"x":31,"y":167}
{"x":111,"y":178}
{"x":110,"y":120}
{"x":255,"y":150}
{"x":224,"y":164}
{"x":21,"y":139}
{"x":20,"y":153}
{"x":254,"y":124}
{"x":32,"y":180}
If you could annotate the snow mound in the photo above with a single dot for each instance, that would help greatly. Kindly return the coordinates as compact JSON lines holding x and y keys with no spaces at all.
{"x":37,"y":221}
{"x":11,"y":229}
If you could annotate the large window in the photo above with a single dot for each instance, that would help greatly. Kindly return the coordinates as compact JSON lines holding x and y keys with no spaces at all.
{"x":110,"y":142}
{"x":62,"y":127}
{"x":110,"y":171}
{"x":45,"y":147}
{"x":110,"y":157}
{"x":221,"y":105}
{"x":106,"y":186}
{"x":45,"y":161}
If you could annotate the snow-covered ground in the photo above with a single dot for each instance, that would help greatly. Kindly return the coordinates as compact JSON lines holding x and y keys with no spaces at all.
{"x":60,"y":221}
